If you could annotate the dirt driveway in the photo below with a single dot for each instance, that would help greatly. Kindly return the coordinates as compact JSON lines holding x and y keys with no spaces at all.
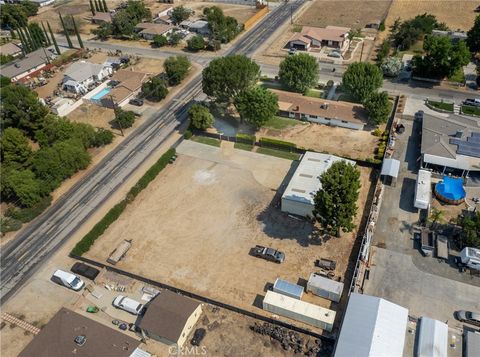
{"x":195,"y":224}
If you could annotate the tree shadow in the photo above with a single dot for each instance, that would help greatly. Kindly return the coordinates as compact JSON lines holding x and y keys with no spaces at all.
{"x":412,"y":153}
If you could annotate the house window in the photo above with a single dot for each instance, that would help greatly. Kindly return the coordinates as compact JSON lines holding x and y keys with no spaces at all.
{"x":313,"y":117}
{"x":344,"y":121}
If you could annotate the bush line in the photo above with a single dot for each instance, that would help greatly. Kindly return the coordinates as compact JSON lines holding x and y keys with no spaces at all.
{"x":277,"y":144}
{"x":112,"y":215}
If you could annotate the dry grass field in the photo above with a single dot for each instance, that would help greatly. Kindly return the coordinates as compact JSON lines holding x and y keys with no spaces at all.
{"x":354,"y":14}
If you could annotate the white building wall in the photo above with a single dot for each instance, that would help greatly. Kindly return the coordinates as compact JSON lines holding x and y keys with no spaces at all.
{"x":298,"y":208}
{"x":25,"y":74}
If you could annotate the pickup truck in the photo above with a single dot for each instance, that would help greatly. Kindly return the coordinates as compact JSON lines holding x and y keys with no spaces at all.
{"x":270,"y":254}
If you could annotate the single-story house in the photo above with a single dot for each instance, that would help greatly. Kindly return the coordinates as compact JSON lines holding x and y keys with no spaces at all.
{"x":164,"y":17}
{"x":72,"y":334}
{"x":322,"y":111}
{"x":149,"y":30}
{"x":22,"y":67}
{"x":317,"y":37}
{"x":81,"y":75}
{"x":169,"y":318}
{"x":101,"y":18}
{"x":129,"y":83}
{"x":455,"y":36}
{"x":450,"y":145}
{"x":11,"y":49}
{"x":200,"y":27}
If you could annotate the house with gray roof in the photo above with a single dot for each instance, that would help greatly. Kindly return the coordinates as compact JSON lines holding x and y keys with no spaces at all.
{"x":451,"y":144}
{"x":80,"y":76}
{"x":22,"y":67}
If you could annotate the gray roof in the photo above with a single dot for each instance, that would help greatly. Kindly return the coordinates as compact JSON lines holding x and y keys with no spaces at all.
{"x":390,"y":167}
{"x":25,"y":64}
{"x":437,"y":133}
{"x":80,"y":71}
{"x":198,"y":24}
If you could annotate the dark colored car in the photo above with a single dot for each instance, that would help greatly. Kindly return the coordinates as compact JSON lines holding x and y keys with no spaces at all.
{"x":270,"y":254}
{"x":469,"y":317}
{"x":136,"y":101}
{"x":85,"y":270}
{"x":198,"y":336}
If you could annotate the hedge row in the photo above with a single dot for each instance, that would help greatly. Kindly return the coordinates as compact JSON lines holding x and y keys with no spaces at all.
{"x":277,"y":144}
{"x":87,"y":241}
{"x":25,"y":215}
{"x":246,"y":139}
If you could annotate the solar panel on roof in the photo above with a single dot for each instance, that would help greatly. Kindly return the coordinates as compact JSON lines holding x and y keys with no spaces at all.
{"x":469,"y":148}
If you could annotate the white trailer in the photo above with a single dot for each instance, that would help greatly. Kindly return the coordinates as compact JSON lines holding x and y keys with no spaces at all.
{"x":289,"y":289}
{"x":299,"y":310}
{"x":423,"y":189}
{"x":471,"y":257}
{"x":324,"y":287}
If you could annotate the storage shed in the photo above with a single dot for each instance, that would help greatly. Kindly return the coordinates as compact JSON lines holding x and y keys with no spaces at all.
{"x":432,"y":338}
{"x":472,"y":344}
{"x":372,"y":327}
{"x":423,"y":189}
{"x":390,"y":170}
{"x":299,"y":310}
{"x":298,"y":196}
{"x":324,"y":287}
{"x":288,"y":289}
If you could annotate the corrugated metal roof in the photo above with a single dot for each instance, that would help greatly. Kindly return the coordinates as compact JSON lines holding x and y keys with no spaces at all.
{"x":290,"y":289}
{"x":432,"y":338}
{"x":390,"y":167}
{"x":372,"y":327}
{"x":325,"y":283}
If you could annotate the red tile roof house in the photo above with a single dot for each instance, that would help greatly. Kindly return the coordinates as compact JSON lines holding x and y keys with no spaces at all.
{"x":321,"y":111}
{"x":316,"y":37}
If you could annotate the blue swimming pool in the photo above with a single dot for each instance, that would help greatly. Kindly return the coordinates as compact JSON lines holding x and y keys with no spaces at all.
{"x":101,"y":94}
{"x":450,"y":190}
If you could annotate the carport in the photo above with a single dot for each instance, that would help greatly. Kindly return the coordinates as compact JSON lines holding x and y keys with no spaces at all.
{"x":390,"y":170}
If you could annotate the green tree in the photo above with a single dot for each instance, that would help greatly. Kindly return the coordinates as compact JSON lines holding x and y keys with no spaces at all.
{"x":174,"y":39}
{"x":37,"y":34}
{"x":100,"y":6}
{"x":30,"y":8}
{"x":57,"y":49}
{"x":15,"y":148}
{"x":256,"y":105}
{"x":473,"y":36}
{"x":13,"y":16}
{"x":55,"y":129}
{"x":177,"y":69}
{"x":470,"y":234}
{"x":436,"y":216}
{"x":226,"y":77}
{"x":97,"y":6}
{"x":378,"y":107}
{"x":362,"y":79}
{"x":65,"y":31}
{"x":299,"y":72}
{"x":79,"y":38}
{"x":123,"y":24}
{"x":4,"y":59}
{"x":45,"y":34}
{"x":4,"y":81}
{"x":92,"y":7}
{"x":223,"y":28}
{"x":138,"y":11}
{"x":383,"y":51}
{"x":155,"y":89}
{"x":102,"y":137}
{"x":159,"y":41}
{"x":200,"y":117}
{"x":105,"y":8}
{"x":196,"y":43}
{"x":21,"y":109}
{"x":31,"y":40}
{"x":103,"y":31}
{"x":23,"y":39}
{"x":125,"y":118}
{"x":180,"y":14}
{"x":336,"y":202}
{"x":22,"y":187}
{"x":405,"y":34}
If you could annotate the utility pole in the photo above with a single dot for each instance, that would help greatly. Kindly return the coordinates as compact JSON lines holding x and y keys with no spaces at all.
{"x":116,"y":116}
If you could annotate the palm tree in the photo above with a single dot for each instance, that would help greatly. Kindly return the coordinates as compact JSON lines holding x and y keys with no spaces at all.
{"x":436,"y":216}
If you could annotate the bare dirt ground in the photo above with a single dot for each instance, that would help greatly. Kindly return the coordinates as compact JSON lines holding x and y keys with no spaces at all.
{"x":334,"y":140}
{"x":195,"y":224}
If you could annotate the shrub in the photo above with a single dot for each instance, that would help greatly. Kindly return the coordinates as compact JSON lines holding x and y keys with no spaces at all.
{"x":27,"y":214}
{"x":277,"y":144}
{"x":102,"y":137}
{"x":8,"y":224}
{"x":246,"y":138}
{"x":155,"y":89}
{"x":196,"y":43}
{"x":159,"y":41}
{"x":187,"y":134}
{"x":125,"y":118}
{"x":176,"y":69}
{"x":200,"y":117}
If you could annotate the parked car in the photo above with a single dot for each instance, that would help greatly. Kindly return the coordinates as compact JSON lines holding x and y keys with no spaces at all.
{"x":469,"y":317}
{"x":292,"y":51}
{"x":136,"y":101}
{"x":198,"y":336}
{"x":68,"y":280}
{"x":270,"y":254}
{"x":335,"y":54}
{"x":472,"y":101}
{"x":128,"y":305}
{"x":85,"y":270}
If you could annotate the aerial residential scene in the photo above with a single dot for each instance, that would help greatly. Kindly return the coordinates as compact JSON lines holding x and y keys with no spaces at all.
{"x":240,"y":178}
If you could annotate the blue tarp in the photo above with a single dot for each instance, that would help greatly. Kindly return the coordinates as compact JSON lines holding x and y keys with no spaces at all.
{"x":451,"y":188}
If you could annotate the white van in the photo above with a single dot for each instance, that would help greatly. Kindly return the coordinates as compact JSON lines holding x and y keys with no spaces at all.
{"x":68,"y":280}
{"x":128,"y":305}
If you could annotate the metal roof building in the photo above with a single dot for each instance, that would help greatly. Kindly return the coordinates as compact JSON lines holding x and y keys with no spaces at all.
{"x":472,"y":344}
{"x":289,"y":289}
{"x":298,"y":196}
{"x":372,"y":327}
{"x":432,"y":338}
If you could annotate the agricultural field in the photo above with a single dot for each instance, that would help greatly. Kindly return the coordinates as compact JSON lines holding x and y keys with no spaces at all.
{"x":194,"y":225}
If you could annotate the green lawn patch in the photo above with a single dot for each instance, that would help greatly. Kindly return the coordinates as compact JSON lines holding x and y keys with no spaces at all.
{"x":243,"y":146}
{"x":205,"y":140}
{"x":280,"y":123}
{"x":441,"y":105}
{"x":272,"y":84}
{"x":278,"y":153}
{"x":458,"y":76}
{"x":314,"y":93}
{"x":470,"y":110}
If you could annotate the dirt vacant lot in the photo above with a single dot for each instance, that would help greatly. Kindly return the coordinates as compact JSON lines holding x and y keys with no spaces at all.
{"x":194,"y":225}
{"x":358,"y":144}
{"x":355,"y":14}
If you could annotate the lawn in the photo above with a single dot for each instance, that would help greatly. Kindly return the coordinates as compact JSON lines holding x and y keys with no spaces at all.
{"x":281,"y":123}
{"x":205,"y":140}
{"x":470,"y":110}
{"x":314,"y":93}
{"x":458,"y":76}
{"x":278,"y":153}
{"x":441,"y":105}
{"x":243,"y":146}
{"x":272,"y":84}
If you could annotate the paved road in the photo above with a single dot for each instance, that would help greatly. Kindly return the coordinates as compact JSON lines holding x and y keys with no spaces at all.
{"x":21,"y":257}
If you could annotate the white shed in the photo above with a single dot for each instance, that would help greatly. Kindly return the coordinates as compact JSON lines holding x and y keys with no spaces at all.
{"x":372,"y":327}
{"x":432,"y":338}
{"x":324,"y":287}
{"x":299,"y":310}
{"x":423,"y":189}
{"x":298,"y":196}
{"x":289,"y":289}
